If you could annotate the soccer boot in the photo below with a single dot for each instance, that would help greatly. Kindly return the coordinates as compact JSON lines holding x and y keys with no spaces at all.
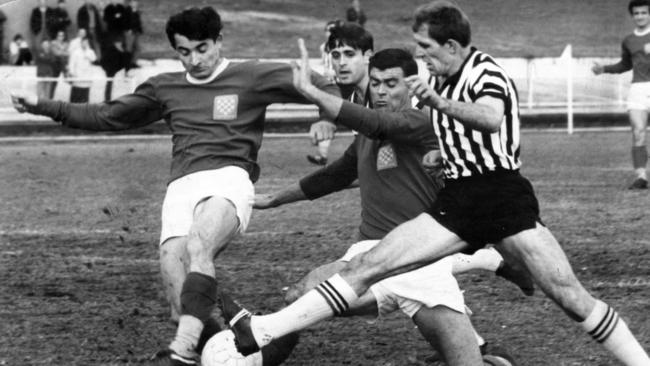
{"x":518,"y":276}
{"x":239,"y":320}
{"x":639,"y":183}
{"x":168,"y":357}
{"x":317,"y":159}
{"x":496,"y":356}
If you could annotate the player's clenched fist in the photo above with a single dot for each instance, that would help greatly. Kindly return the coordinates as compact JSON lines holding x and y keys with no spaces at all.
{"x":23,"y":100}
{"x":322,"y":130}
{"x":421,"y":90}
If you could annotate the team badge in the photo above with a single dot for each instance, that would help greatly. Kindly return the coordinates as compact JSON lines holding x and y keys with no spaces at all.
{"x":225,"y":107}
{"x":386,"y":158}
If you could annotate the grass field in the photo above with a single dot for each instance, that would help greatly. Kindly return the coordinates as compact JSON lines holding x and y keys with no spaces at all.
{"x":504,"y":28}
{"x":78,"y":254}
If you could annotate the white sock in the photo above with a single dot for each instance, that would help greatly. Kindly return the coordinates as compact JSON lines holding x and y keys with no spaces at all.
{"x":328,"y":299}
{"x":605,"y":326}
{"x":487,"y":258}
{"x":641,"y":173}
{"x":187,"y":336}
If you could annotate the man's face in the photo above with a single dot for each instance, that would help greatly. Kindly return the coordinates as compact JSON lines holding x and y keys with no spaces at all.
{"x":199,"y":58}
{"x":388,"y":89}
{"x":435,"y":55}
{"x":641,"y":16}
{"x":350,"y":65}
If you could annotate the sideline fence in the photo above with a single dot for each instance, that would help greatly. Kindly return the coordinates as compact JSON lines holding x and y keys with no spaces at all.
{"x":552,"y":85}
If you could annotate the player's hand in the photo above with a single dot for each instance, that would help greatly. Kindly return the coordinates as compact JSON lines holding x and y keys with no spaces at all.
{"x":302,"y":71}
{"x":432,"y":163}
{"x":23,"y":100}
{"x":321,"y":130}
{"x":264,"y":201}
{"x":597,"y":68}
{"x":420,"y":89}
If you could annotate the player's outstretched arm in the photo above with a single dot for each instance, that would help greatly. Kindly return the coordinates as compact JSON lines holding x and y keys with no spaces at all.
{"x":329,"y":104}
{"x":291,"y":194}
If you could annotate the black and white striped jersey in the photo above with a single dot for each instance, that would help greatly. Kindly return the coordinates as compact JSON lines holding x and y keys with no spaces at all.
{"x":469,"y":152}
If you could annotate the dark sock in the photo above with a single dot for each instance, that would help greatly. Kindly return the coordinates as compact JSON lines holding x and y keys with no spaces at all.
{"x":279,"y":349}
{"x":639,"y":157}
{"x":198,"y":296}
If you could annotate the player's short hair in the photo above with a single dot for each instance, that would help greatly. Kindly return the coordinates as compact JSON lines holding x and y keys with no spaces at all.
{"x":194,"y":23}
{"x":445,"y":21}
{"x":394,"y":57}
{"x":350,"y":34}
{"x":636,"y":3}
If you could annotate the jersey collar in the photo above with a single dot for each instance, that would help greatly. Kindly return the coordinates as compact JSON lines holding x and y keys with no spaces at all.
{"x":222,"y":66}
{"x":641,"y":33}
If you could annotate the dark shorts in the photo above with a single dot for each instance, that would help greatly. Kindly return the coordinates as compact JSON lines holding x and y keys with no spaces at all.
{"x":487,"y":208}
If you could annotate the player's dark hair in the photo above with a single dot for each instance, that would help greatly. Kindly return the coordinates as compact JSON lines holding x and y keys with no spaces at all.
{"x":445,"y":21}
{"x":394,"y":57}
{"x":350,"y":34}
{"x":194,"y":23}
{"x":636,"y":3}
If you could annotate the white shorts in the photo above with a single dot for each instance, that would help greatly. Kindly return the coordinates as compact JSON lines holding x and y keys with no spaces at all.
{"x":429,"y":286}
{"x":183,"y":194}
{"x":639,"y":96}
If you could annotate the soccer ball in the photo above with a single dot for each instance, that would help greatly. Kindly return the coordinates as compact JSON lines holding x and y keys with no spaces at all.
{"x":220,"y":350}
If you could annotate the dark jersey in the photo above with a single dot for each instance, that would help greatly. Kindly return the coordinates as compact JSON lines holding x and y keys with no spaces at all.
{"x":386,"y":157}
{"x":214,"y":124}
{"x":634,"y":57}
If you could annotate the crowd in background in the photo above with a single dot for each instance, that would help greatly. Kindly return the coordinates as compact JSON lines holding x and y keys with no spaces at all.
{"x":105,"y":36}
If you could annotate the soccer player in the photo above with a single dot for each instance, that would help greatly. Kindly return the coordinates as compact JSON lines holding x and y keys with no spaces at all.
{"x":485,"y":199}
{"x":635,"y":56}
{"x":215,"y":111}
{"x":394,"y":188}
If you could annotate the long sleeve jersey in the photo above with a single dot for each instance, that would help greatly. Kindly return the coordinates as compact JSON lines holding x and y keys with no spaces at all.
{"x":393,"y":189}
{"x":635,"y":57}
{"x":215,"y":123}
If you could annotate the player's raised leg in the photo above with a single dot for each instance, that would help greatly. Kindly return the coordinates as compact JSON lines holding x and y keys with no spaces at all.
{"x":215,"y":222}
{"x":341,"y":292}
{"x":540,"y":252}
{"x":639,"y":123}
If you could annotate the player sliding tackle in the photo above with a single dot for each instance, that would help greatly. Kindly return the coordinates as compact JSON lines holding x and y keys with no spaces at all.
{"x":394,"y":186}
{"x":485,"y":199}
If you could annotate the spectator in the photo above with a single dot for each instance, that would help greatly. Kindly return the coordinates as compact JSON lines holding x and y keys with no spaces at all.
{"x":89,"y":18}
{"x":133,"y":32}
{"x":19,"y":52}
{"x":79,"y":68}
{"x":3,"y":19}
{"x":114,"y":59}
{"x":60,"y":53}
{"x":44,"y":69}
{"x":61,"y":20}
{"x":41,"y":22}
{"x":76,"y":41}
{"x":354,"y":14}
{"x":117,"y":19}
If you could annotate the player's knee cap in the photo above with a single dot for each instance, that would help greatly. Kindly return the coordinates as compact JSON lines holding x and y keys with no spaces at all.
{"x":198,"y":295}
{"x":279,"y":350}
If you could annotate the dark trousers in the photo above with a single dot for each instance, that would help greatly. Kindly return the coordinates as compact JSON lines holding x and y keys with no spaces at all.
{"x":79,"y":94}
